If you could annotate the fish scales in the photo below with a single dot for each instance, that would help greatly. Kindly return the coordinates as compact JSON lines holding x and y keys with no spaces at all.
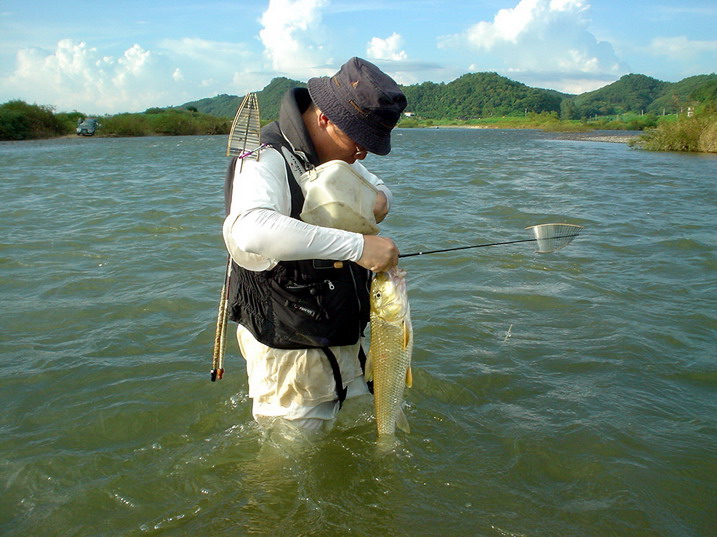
{"x":389,"y":357}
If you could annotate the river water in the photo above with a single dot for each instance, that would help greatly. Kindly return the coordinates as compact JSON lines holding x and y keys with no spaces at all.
{"x":563,"y":394}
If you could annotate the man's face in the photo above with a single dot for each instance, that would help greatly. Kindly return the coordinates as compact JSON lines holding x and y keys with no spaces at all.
{"x":341,"y":147}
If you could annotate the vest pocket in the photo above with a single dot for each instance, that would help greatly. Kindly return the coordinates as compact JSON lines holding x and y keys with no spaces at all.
{"x":317,"y":314}
{"x":300,"y":299}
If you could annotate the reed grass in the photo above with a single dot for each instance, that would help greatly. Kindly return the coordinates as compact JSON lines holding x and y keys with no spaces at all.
{"x":690,"y":134}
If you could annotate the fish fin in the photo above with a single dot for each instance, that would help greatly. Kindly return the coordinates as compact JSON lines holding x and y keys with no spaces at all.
{"x":409,"y":377}
{"x":402,"y":422}
{"x":368,"y":368}
{"x":406,"y":334}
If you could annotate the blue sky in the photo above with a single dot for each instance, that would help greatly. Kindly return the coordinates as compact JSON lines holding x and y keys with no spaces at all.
{"x":124,"y":56}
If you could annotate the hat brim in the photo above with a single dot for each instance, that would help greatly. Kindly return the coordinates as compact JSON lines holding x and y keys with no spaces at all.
{"x":364,"y":134}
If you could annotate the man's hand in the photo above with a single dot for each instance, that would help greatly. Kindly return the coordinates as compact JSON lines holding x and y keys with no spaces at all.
{"x":379,"y":253}
{"x":380,"y":208}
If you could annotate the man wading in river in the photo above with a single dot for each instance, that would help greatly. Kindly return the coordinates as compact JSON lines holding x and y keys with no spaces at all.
{"x":298,"y":291}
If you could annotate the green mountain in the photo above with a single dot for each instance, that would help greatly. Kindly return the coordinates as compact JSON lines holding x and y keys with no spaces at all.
{"x":270,"y":97}
{"x":632,"y":93}
{"x":687,"y":92}
{"x":640,"y":93}
{"x":480,"y":95}
{"x":220,"y":106}
{"x":227,"y":105}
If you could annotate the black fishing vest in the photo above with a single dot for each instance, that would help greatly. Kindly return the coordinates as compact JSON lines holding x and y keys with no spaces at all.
{"x":298,"y":304}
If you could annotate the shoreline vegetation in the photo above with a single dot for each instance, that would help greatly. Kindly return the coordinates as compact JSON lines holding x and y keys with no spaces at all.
{"x":22,"y":121}
{"x":696,"y":132}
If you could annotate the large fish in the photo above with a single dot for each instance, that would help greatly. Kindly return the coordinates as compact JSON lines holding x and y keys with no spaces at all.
{"x":388,"y":363}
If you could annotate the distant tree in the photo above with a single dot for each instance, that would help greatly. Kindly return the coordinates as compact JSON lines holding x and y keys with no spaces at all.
{"x":567,"y":109}
{"x":21,"y":121}
{"x":14,"y":125}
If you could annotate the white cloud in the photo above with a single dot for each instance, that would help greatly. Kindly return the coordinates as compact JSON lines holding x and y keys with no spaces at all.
{"x":215,"y":64}
{"x":679,"y":56}
{"x":132,"y":63}
{"x":76,"y":76}
{"x":292,"y":33}
{"x":681,"y":48}
{"x":386,"y":49}
{"x":219,"y":55}
{"x":529,"y":20}
{"x":542,"y":37}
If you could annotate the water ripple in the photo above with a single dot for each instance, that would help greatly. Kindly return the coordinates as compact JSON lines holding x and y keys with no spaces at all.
{"x":559,"y":394}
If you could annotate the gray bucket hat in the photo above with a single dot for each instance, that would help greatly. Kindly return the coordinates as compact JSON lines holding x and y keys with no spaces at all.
{"x":363,"y":101}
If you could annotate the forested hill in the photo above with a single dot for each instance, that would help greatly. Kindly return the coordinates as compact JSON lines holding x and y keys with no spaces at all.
{"x":227,"y":105}
{"x":480,"y":95}
{"x":640,"y":93}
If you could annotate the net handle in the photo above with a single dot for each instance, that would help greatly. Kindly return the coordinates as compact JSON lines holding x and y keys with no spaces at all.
{"x":564,"y":238}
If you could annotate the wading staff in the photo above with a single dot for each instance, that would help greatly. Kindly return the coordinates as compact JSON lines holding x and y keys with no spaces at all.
{"x":220,"y":335}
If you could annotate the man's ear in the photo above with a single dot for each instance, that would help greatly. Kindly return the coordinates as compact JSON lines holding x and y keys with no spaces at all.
{"x":323,"y":121}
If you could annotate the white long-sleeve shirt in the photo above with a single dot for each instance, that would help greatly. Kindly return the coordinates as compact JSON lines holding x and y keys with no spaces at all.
{"x":259,"y":231}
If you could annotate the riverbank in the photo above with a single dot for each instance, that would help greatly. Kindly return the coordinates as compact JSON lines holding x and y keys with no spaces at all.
{"x":618,"y":137}
{"x":22,"y":121}
{"x":578,"y":136}
{"x":692,"y":134}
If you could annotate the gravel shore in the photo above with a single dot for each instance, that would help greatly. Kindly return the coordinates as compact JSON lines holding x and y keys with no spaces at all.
{"x":620,"y":137}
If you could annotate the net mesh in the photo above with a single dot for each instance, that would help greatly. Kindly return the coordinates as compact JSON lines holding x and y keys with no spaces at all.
{"x":552,"y":237}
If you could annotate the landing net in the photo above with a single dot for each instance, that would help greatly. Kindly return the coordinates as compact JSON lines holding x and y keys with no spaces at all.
{"x":552,"y":237}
